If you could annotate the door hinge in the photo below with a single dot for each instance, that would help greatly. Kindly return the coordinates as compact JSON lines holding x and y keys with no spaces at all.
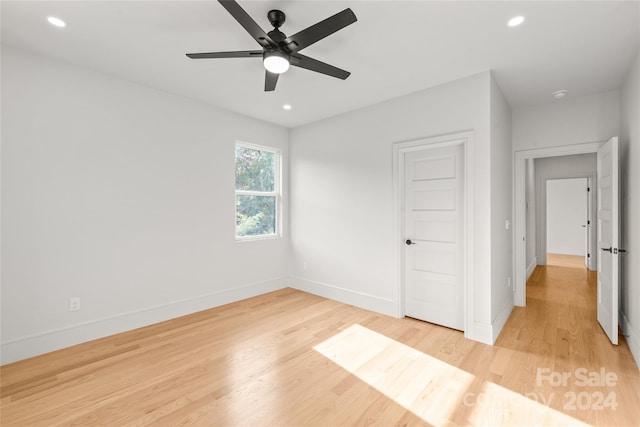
{"x":588,"y":188}
{"x":588,"y":222}
{"x":588,"y":255}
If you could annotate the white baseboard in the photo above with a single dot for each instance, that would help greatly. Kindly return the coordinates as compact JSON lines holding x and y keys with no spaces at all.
{"x":29,"y":346}
{"x":531,"y":267}
{"x":501,"y":319}
{"x":488,"y":333}
{"x":346,"y":296}
{"x":632,"y":337}
{"x":482,"y":332}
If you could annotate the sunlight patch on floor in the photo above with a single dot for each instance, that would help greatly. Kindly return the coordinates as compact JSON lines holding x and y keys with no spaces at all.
{"x":430,"y":388}
{"x":495,"y":405}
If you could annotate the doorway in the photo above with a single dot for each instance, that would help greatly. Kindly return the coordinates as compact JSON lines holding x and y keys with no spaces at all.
{"x":568,"y":222}
{"x":434,"y":151}
{"x":607,"y":229}
{"x":520,"y":208}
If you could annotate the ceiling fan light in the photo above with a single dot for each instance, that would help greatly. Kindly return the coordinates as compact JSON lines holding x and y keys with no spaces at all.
{"x":276,"y":62}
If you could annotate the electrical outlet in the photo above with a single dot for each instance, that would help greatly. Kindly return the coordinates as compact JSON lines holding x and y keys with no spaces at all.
{"x":305,"y":266}
{"x":74,"y":304}
{"x":508,"y":282}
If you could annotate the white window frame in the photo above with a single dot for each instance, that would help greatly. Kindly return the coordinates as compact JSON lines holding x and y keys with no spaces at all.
{"x":277,"y":193}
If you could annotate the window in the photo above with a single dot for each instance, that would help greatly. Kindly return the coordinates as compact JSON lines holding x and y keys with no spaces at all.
{"x":257,"y":191}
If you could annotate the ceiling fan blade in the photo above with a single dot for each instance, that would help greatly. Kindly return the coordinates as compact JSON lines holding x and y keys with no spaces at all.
{"x":320,"y":30}
{"x":247,"y":22}
{"x":302,"y":61}
{"x":270,"y":80}
{"x":234,"y":54}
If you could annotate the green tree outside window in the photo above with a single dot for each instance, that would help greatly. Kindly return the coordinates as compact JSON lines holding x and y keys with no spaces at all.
{"x":257,"y":183}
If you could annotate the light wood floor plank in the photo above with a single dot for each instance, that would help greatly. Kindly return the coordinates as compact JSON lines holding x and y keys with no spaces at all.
{"x":562,"y":260}
{"x":289,"y":358}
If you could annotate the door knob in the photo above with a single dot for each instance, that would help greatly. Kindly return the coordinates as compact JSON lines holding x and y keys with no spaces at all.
{"x":409,"y":242}
{"x":609,"y":249}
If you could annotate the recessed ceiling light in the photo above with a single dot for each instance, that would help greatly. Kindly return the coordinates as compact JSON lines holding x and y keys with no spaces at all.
{"x":286,"y":107}
{"x":56,"y":21}
{"x":515,"y":21}
{"x":559,"y":94}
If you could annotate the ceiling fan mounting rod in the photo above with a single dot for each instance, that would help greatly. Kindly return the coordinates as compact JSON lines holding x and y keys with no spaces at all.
{"x":276,"y":17}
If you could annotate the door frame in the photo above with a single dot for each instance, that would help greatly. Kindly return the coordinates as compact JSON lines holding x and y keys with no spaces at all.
{"x":519,"y":207}
{"x":399,"y":149}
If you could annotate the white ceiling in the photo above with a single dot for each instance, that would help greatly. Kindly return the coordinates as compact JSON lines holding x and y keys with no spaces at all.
{"x":394,"y":49}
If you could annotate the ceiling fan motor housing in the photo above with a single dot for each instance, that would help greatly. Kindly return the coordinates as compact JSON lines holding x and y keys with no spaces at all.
{"x":277,"y":35}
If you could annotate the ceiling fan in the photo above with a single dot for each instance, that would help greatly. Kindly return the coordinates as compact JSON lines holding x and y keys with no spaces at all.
{"x":279,"y":51}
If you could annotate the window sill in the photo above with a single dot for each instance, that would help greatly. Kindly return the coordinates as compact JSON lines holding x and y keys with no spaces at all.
{"x":257,"y":238}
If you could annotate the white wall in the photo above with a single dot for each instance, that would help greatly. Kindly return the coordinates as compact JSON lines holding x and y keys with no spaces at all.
{"x":567,"y":121}
{"x":341,"y":194}
{"x":530,"y":216}
{"x":567,"y":216}
{"x":563,"y":167}
{"x":630,"y":187}
{"x":501,"y":210}
{"x":120,"y":195}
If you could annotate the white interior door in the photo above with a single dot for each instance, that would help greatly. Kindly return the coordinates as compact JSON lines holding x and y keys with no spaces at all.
{"x":608,"y":233}
{"x":587,"y":229}
{"x":434,"y":214}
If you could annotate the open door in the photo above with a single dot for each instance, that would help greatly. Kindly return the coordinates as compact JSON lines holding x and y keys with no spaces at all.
{"x":587,"y":229}
{"x":608,"y":234}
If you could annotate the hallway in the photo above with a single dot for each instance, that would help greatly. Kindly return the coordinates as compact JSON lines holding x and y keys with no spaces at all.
{"x":558,"y":340}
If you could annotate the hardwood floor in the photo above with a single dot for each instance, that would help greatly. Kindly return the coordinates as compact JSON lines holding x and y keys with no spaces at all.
{"x":561,"y":260}
{"x":289,"y":358}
